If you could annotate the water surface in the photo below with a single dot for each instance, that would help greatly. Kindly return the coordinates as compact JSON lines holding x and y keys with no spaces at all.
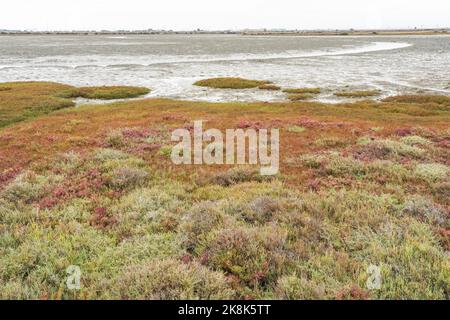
{"x":169,"y":64}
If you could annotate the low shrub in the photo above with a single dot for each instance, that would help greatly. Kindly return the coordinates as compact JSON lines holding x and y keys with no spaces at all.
{"x":340,"y":166}
{"x":68,"y":161}
{"x":415,"y":141}
{"x":198,"y":222}
{"x":432,"y":171}
{"x":38,"y":265}
{"x":104,"y":155}
{"x":165,"y":151}
{"x":149,"y":201}
{"x":137,"y":249}
{"x":254,"y":255}
{"x":425,"y":209}
{"x":238,"y":175}
{"x":262,"y":209}
{"x":442,"y":191}
{"x":115,"y":139}
{"x":313,"y":161}
{"x":385,"y":149}
{"x":296,"y":288}
{"x":170,"y":279}
{"x":150,"y":210}
{"x":412,"y":262}
{"x":296,"y":129}
{"x":28,"y":187}
{"x":330,"y":142}
{"x":128,"y":177}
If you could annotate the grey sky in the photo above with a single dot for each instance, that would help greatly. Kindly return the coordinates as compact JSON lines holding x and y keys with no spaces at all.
{"x":229,"y":14}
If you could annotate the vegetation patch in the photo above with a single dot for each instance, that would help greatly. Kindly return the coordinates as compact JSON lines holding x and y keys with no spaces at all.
{"x":300,"y":96}
{"x":26,"y":100}
{"x":21,"y":101}
{"x":303,"y":90}
{"x":330,"y":142}
{"x":106,"y":92}
{"x":170,"y":279}
{"x":425,"y":209}
{"x":415,"y":141}
{"x":386,"y":149}
{"x":95,"y":188}
{"x":296,"y":129}
{"x":230,"y":83}
{"x":238,"y":175}
{"x":433,"y":171}
{"x":358,"y":94}
{"x":270,"y":87}
{"x":420,"y":99}
{"x":250,"y":254}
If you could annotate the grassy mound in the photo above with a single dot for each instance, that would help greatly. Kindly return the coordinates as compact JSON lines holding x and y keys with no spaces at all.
{"x":268,"y":86}
{"x":106,"y":92}
{"x":420,"y":99}
{"x":300,"y":96}
{"x":358,"y":94}
{"x":303,"y":90}
{"x":230,"y":83}
{"x":25,"y":100}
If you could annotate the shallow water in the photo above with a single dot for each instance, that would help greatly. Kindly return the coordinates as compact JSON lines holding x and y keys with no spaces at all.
{"x":169,"y":64}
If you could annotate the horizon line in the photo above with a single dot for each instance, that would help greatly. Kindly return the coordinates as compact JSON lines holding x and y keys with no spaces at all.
{"x":200,"y":30}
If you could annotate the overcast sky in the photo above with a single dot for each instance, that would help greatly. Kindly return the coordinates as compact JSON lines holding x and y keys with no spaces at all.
{"x":226,"y":14}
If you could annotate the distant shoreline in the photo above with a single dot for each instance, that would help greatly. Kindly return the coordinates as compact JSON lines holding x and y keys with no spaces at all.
{"x":355,"y":33}
{"x":406,"y":32}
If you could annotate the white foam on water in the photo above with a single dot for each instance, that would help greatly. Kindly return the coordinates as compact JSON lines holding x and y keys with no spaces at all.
{"x":103,"y":61}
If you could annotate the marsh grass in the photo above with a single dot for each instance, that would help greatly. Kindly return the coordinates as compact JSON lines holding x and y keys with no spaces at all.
{"x":106,"y":92}
{"x":300,"y":96}
{"x":21,"y":101}
{"x":270,"y":87}
{"x":303,"y":90}
{"x":170,"y":279}
{"x":358,"y":94}
{"x":296,"y":129}
{"x":230,"y":83}
{"x":94,"y":187}
{"x":420,"y":99}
